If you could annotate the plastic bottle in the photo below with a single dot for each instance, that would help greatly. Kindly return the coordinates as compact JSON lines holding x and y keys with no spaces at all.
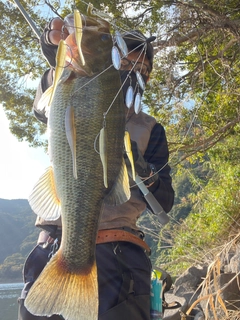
{"x":156,"y":310}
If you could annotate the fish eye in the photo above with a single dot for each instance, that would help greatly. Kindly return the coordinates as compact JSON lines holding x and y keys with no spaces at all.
{"x":105,"y":37}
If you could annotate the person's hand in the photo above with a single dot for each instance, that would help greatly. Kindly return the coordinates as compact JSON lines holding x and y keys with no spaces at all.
{"x":56,"y":31}
{"x":145,"y":170}
{"x":50,"y":38}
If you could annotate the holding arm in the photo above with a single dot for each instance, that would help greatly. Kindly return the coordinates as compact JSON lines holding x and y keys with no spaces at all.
{"x":156,"y":156}
{"x":157,"y":153}
{"x":153,"y":167}
{"x":52,"y":34}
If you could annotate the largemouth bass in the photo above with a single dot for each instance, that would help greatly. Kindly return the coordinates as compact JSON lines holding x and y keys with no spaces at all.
{"x":79,"y":181}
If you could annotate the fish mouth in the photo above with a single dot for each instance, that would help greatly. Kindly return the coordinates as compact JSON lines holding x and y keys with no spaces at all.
{"x":88,"y":53}
{"x":73,"y":64}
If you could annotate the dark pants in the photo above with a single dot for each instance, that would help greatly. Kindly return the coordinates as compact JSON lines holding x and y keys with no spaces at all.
{"x":123,"y":279}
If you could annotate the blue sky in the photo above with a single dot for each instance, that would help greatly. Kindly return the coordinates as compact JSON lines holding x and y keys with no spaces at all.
{"x":20,"y":165}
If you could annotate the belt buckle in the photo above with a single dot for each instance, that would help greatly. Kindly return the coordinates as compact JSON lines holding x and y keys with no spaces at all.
{"x":141,"y":235}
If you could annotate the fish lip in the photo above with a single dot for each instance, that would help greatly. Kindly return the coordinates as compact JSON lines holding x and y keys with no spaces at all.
{"x":90,"y":49}
{"x":73,"y":64}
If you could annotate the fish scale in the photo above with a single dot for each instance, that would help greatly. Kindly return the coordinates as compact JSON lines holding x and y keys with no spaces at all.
{"x":68,"y":284}
{"x":90,"y":176}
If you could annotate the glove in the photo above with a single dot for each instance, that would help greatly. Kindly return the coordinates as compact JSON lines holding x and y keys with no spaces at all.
{"x":55,"y":31}
{"x":143,"y":168}
{"x":52,"y":34}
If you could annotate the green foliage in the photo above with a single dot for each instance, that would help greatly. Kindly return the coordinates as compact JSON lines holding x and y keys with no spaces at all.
{"x":17,"y":236}
{"x":193,"y":92}
{"x":214,"y":214}
{"x":194,"y":88}
{"x":149,"y":224}
{"x":12,"y":267}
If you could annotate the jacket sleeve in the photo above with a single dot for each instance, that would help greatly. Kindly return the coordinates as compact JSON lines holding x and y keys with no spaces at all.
{"x":157,"y":153}
{"x":49,"y":52}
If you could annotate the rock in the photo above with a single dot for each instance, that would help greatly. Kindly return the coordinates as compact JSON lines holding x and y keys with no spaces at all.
{"x":185,"y":292}
{"x":225,"y":261}
{"x":234,"y":264}
{"x":187,"y":289}
{"x":230,"y":294}
{"x":232,"y":260}
{"x":199,"y":316}
{"x":190,"y":279}
{"x":174,"y":314}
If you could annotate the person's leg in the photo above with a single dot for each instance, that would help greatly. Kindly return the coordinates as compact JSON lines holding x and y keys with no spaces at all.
{"x":34,"y":264}
{"x":124,"y":273}
{"x":123,"y":278}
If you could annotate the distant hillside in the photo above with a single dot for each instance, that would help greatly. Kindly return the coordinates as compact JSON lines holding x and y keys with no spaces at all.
{"x":17,"y":236}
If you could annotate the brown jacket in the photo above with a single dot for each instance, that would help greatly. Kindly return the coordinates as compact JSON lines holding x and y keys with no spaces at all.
{"x":139,"y":126}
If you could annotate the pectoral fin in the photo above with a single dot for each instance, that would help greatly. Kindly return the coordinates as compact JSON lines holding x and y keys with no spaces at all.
{"x":44,"y":102}
{"x":120,"y":192}
{"x":128,"y":149}
{"x":71,"y":136}
{"x":103,"y":153}
{"x":43,"y":199}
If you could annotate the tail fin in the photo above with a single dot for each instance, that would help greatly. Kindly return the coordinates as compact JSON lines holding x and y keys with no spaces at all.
{"x":73,"y":296}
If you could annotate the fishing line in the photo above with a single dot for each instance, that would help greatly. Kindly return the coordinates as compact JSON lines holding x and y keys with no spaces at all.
{"x":99,"y":74}
{"x":95,"y":143}
{"x":196,"y":111}
{"x":69,"y":62}
{"x":130,"y":71}
{"x":92,"y":79}
{"x":143,"y":50}
{"x":100,"y":15}
{"x":103,"y":15}
{"x":102,"y":72}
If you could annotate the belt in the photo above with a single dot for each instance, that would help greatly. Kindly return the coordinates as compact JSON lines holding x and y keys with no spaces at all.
{"x":114,"y":235}
{"x":104,"y":236}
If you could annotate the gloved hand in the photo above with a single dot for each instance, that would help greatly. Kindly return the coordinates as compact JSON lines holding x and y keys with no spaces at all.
{"x":49,"y":40}
{"x":55,"y":31}
{"x":143,"y":168}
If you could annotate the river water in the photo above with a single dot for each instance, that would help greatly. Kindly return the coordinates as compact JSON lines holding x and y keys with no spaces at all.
{"x":9,"y":293}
